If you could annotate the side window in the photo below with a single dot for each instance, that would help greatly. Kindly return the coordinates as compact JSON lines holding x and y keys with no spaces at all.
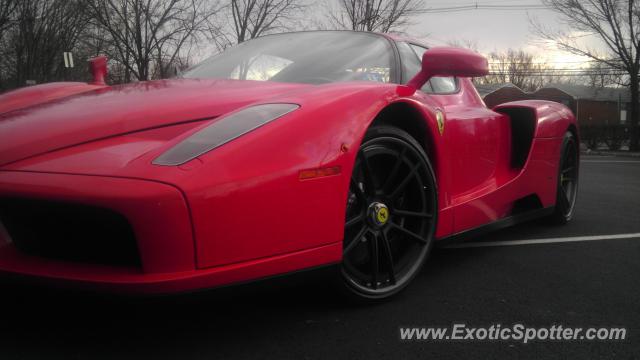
{"x":437,"y":84}
{"x":444,"y":85}
{"x":411,"y":64}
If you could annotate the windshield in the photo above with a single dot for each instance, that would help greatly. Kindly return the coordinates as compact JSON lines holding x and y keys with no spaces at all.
{"x":304,"y":57}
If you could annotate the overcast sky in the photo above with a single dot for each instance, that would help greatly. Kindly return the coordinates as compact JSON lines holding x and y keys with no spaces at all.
{"x":492,"y":29}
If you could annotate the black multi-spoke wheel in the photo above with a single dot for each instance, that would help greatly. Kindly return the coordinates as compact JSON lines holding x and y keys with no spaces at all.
{"x":567,"y":180}
{"x":391,"y":214}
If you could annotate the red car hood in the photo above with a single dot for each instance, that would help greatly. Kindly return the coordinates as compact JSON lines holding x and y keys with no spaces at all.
{"x":124,"y":109}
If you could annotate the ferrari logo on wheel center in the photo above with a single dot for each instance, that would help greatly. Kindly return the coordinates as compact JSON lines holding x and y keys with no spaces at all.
{"x":378,"y":214}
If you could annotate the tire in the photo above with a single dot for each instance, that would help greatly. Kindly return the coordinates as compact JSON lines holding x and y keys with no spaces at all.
{"x":391,"y":216}
{"x":567,"y":185}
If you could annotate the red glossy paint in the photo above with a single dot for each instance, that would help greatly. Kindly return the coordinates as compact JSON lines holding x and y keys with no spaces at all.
{"x":34,"y":95}
{"x":242,"y":211}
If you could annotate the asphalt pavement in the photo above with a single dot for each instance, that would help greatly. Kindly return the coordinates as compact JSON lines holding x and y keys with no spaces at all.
{"x":574,"y":284}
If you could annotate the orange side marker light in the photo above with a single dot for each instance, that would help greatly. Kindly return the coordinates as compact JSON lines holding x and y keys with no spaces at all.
{"x":319,"y":172}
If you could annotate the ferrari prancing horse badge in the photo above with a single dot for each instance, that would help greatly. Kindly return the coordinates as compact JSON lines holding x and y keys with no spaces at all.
{"x":440,"y":120}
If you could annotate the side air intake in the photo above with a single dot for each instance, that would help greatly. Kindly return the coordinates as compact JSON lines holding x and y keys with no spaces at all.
{"x":523,"y":126}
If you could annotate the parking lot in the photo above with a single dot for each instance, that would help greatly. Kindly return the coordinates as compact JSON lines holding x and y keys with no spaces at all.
{"x":573,"y":283}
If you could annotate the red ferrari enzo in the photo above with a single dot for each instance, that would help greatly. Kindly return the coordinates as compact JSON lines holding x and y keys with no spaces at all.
{"x":284,"y":153}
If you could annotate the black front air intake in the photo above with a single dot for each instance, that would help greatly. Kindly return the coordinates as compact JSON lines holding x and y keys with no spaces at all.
{"x":70,"y":232}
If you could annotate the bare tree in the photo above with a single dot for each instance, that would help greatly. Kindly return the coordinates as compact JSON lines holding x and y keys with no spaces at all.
{"x":41,"y":31}
{"x":7,"y":8}
{"x":147,"y":37}
{"x":253,"y":18}
{"x":7,"y":13}
{"x":517,"y":67}
{"x":601,"y":75}
{"x":617,"y":24}
{"x":374,"y":15}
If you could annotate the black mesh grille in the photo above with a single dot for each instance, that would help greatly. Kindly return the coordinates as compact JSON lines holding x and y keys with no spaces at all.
{"x":70,"y":232}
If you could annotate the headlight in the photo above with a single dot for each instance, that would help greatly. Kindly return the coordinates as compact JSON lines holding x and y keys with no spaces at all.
{"x":223,"y":131}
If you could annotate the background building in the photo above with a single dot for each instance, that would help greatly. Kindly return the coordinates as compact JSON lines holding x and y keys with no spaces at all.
{"x":591,"y":105}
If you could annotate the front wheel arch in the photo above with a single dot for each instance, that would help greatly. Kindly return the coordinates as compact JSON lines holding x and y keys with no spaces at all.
{"x":407,"y":117}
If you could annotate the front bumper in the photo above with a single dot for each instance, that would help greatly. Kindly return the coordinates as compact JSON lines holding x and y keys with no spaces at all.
{"x":160,"y":218}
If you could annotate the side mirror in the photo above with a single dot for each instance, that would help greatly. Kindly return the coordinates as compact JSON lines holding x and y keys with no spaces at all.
{"x":98,"y":67}
{"x":449,"y":61}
